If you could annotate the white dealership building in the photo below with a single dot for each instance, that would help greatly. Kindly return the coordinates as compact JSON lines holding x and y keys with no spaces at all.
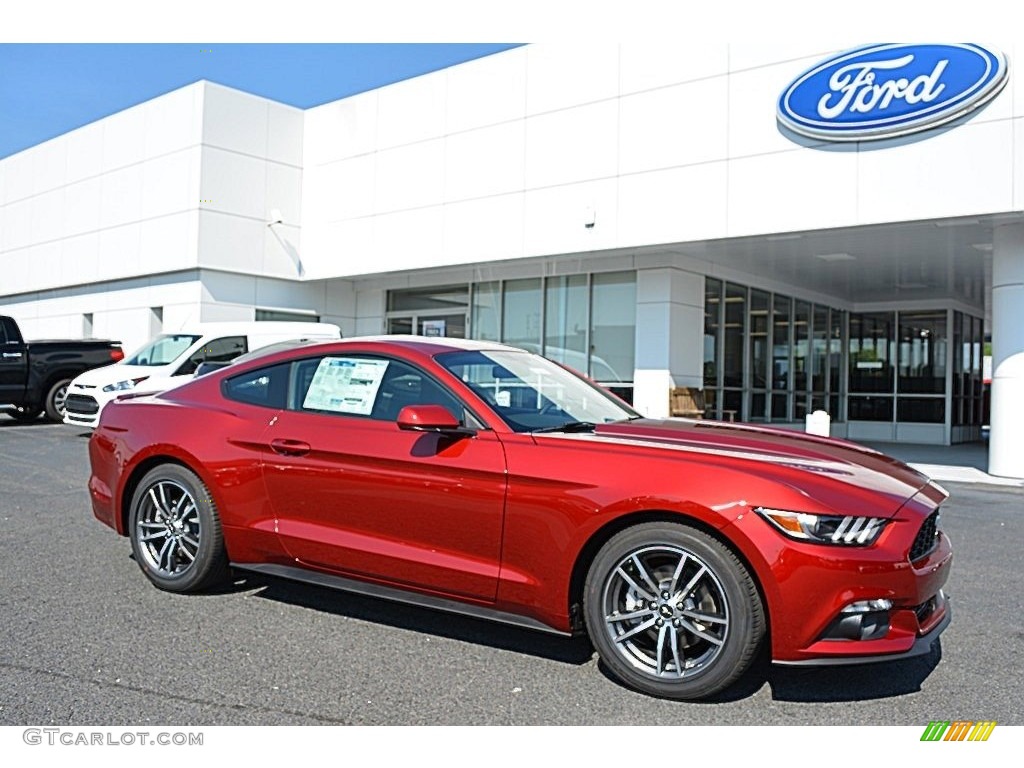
{"x":647,"y":214}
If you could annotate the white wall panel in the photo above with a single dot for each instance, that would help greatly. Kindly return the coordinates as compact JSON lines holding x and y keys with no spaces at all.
{"x":284,"y":134}
{"x":680,"y":204}
{"x":230,"y":242}
{"x":572,"y":145}
{"x":80,"y":259}
{"x":644,"y":66}
{"x":124,"y":138}
{"x":85,"y":152}
{"x":340,"y":129}
{"x":47,"y":216}
{"x":284,"y":192}
{"x":18,"y":233}
{"x":556,"y":218}
{"x":764,"y":53}
{"x":233,"y":183}
{"x":789,"y":191}
{"x":49,"y":165}
{"x":955,"y":172}
{"x":170,"y":184}
{"x":234,"y":120}
{"x":281,"y":254}
{"x":44,"y":264}
{"x":82,"y":202}
{"x":119,"y":252}
{"x":405,"y":240}
{"x":680,"y":125}
{"x":486,"y":229}
{"x":18,"y":171}
{"x":173,"y":121}
{"x":165,"y":244}
{"x":560,"y":76}
{"x":487,"y":91}
{"x":484,"y":162}
{"x":753,"y":97}
{"x":340,"y":190}
{"x":410,"y":176}
{"x":120,"y":201}
{"x":412,"y":110}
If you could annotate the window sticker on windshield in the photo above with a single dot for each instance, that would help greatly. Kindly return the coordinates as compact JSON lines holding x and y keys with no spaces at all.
{"x":345,"y":385}
{"x":503,"y":399}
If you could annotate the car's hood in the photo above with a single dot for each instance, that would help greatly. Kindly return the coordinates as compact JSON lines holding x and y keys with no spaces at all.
{"x":827,"y":460}
{"x":111,"y":374}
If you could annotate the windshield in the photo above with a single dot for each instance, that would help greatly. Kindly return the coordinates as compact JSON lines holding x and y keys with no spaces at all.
{"x":163,"y":350}
{"x":530,"y":392}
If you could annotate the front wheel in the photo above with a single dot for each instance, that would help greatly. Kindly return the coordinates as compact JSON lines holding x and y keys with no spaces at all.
{"x":57,"y":400}
{"x":672,"y":611}
{"x":175,"y":531}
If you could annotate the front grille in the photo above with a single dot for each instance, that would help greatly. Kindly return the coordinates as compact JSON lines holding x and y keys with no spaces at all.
{"x":927,"y":537}
{"x":82,"y":404}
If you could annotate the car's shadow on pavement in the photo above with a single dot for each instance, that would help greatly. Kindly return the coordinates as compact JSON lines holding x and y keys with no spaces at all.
{"x":797,"y":684}
{"x":574,"y":650}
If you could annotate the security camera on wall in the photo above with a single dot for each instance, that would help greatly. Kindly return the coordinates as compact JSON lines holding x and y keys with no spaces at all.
{"x":275,"y":217}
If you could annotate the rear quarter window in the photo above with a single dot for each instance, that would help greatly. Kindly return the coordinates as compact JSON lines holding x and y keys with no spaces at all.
{"x":266,"y":387}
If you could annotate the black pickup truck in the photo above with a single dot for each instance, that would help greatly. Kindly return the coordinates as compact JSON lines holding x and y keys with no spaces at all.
{"x":34,"y":376}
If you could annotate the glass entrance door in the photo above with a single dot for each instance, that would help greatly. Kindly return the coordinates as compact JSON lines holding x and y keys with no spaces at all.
{"x":449,"y":325}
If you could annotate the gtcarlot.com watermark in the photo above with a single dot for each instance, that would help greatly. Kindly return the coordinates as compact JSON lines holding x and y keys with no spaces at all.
{"x":74,"y":737}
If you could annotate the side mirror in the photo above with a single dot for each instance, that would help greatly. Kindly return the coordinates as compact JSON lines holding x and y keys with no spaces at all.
{"x":431,"y":418}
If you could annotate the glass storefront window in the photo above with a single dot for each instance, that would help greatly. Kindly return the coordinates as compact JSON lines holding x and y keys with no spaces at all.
{"x":445,"y":297}
{"x":870,"y":351}
{"x":521,"y":314}
{"x":565,"y":320}
{"x":922,"y":353}
{"x":486,"y":315}
{"x":613,"y":326}
{"x":819,"y":348}
{"x":759,"y":342}
{"x":782,"y":380}
{"x":712,"y":329}
{"x":869,"y":408}
{"x":735,"y":328}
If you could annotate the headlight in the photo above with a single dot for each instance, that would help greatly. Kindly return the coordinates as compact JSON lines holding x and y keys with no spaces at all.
{"x":825,"y":529}
{"x":123,"y":385}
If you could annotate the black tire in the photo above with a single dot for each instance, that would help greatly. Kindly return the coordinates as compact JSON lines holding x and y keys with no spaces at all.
{"x":25,"y":415}
{"x":56,"y":399}
{"x":175,"y":531}
{"x":646,"y":643}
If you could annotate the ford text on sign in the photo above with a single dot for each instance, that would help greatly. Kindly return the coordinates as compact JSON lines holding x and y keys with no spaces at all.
{"x":889,"y":90}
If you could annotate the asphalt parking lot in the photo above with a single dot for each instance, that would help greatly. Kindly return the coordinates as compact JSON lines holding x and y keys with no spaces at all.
{"x":85,"y":639}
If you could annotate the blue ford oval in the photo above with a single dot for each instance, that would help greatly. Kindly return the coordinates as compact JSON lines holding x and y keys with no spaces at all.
{"x":893,"y":89}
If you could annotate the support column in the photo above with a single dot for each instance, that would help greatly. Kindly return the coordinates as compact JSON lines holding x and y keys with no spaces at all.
{"x":669,"y":336}
{"x":1006,"y":439}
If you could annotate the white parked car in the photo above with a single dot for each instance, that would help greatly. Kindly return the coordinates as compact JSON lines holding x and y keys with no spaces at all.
{"x":172,"y":358}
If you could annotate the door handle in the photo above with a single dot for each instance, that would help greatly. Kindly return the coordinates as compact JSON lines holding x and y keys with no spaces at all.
{"x":12,"y":354}
{"x":290,"y":447}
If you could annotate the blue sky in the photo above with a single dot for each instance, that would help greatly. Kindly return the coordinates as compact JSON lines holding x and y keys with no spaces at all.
{"x":47,"y":90}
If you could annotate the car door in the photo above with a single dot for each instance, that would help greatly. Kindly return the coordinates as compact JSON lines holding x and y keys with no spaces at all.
{"x":355,"y":494}
{"x":13,"y":365}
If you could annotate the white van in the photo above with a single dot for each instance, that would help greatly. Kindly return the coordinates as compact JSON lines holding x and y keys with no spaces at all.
{"x":172,"y":358}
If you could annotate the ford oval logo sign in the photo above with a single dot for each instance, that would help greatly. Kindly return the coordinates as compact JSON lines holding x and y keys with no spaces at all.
{"x":889,"y":90}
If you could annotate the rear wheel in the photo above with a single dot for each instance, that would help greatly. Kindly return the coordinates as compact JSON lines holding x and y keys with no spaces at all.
{"x":57,"y":399}
{"x":672,"y":611}
{"x":175,"y":531}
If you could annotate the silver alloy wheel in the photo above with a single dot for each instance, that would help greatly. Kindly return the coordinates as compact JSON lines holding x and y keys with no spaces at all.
{"x":168,"y":528}
{"x":60,"y":399}
{"x":666,"y":612}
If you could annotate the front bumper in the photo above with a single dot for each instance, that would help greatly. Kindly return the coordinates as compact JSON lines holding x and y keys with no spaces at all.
{"x":922,"y":647}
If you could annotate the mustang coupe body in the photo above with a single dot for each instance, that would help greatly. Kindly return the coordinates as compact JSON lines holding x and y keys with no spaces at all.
{"x":478,"y":478}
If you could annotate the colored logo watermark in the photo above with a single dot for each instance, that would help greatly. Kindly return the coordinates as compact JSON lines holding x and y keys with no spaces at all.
{"x":958,"y":730}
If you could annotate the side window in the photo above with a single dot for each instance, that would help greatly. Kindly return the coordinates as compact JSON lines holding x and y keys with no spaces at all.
{"x":377,"y":388}
{"x":217,"y":351}
{"x":3,"y":331}
{"x":265,"y":386}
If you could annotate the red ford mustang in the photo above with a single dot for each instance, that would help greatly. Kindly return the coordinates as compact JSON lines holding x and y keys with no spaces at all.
{"x":477,"y":478}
